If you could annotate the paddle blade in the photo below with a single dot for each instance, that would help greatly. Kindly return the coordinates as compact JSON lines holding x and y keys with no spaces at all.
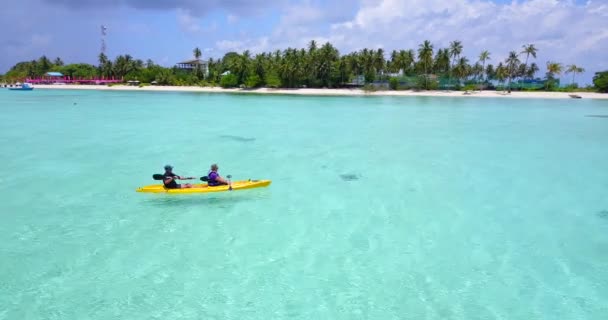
{"x":158,"y":177}
{"x":204,"y":179}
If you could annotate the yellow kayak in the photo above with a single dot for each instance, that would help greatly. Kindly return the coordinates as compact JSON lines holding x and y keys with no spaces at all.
{"x":203,"y":188}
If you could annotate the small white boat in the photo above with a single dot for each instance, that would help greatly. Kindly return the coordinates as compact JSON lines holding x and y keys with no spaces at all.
{"x":24,"y":87}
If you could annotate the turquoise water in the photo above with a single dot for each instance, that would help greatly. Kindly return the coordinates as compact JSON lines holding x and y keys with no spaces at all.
{"x":380,"y":208}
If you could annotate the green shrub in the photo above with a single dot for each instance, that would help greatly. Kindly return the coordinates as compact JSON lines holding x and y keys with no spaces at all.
{"x":600,"y":80}
{"x":273,"y":80}
{"x":393,"y":83}
{"x":426,"y":83}
{"x":229,"y":81}
{"x":253,"y":81}
{"x":369,"y":88}
{"x":469,"y":87}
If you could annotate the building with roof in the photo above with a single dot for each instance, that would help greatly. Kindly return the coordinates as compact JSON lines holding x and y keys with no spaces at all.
{"x":53,"y":74}
{"x":191,"y":65}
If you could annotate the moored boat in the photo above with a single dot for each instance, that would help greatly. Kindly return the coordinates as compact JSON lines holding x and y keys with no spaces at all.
{"x":24,"y":87}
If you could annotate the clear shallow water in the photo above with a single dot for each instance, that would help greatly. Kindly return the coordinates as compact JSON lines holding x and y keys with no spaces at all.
{"x":380,"y":208}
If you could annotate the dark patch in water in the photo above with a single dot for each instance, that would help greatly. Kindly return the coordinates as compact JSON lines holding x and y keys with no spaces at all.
{"x":603,"y":214}
{"x":349,"y":177}
{"x":237,"y":138}
{"x":597,"y":115}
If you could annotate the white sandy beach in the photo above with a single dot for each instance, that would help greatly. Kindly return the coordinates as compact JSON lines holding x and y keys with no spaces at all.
{"x":337,"y":92}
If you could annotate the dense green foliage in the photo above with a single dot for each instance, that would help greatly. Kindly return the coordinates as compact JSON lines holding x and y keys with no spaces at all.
{"x":393,"y":83}
{"x":229,"y":81}
{"x":316,"y":66}
{"x":600,"y":80}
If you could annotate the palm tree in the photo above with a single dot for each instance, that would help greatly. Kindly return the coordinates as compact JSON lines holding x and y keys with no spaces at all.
{"x":327,"y":56}
{"x":477,"y":71}
{"x":425,"y":55}
{"x":455,"y":51}
{"x":574,"y":69}
{"x":105,"y":67}
{"x":501,"y":73}
{"x":529,"y":50}
{"x":393,"y":63}
{"x":58,"y":62}
{"x":379,"y":61}
{"x":490,"y":72}
{"x":312,"y":46}
{"x":442,"y":61}
{"x":532,"y":70}
{"x":512,"y":65}
{"x":462,"y":68}
{"x":483,"y":57}
{"x":553,"y":69}
{"x":366,"y":58}
{"x":124,"y":64}
{"x":197,"y":55}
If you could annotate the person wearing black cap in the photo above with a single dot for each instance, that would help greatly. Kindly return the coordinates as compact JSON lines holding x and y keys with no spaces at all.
{"x":169,"y":179}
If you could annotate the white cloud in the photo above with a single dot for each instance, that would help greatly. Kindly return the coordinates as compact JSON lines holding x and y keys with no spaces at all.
{"x":256,"y":45}
{"x":40,"y":40}
{"x":232,"y":19}
{"x":192,"y":24}
{"x":563,"y":30}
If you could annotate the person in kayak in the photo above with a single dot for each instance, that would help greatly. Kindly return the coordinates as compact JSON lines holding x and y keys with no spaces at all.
{"x":170,"y":179}
{"x":214,"y":178}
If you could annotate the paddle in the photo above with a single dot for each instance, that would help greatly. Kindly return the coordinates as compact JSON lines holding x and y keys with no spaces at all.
{"x":162,"y":177}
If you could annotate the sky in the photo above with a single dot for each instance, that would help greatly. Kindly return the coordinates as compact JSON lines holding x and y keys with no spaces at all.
{"x":166,"y":31}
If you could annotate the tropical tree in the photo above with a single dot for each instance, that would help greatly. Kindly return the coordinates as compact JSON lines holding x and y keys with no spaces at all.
{"x":197,"y":55}
{"x":425,"y":56}
{"x":105,"y":66}
{"x":366,"y":59}
{"x":574,"y":69}
{"x":123,"y":64}
{"x":455,"y":50}
{"x":529,"y":50}
{"x":512,"y":65}
{"x":490,"y":72}
{"x":150,"y":63}
{"x":58,"y":62}
{"x":532,"y":70}
{"x":483,"y":57}
{"x":442,"y":61}
{"x":600,"y":81}
{"x":553,"y":69}
{"x":378,"y":61}
{"x":501,"y":73}
{"x":462,"y":69}
{"x":477,"y":71}
{"x":328,"y":55}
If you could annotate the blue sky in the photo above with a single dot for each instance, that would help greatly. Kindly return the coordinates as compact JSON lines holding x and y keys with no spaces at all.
{"x":567,"y":31}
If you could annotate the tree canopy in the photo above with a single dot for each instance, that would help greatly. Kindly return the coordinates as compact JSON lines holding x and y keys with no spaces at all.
{"x":317,"y":65}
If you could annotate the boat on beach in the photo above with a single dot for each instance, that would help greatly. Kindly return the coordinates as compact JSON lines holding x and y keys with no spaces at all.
{"x":23,"y":87}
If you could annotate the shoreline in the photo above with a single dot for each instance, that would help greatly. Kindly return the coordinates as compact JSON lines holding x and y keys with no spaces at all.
{"x":335,"y":92}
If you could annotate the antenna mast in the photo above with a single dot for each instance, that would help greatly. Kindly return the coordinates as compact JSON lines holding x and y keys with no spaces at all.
{"x":103,"y":39}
